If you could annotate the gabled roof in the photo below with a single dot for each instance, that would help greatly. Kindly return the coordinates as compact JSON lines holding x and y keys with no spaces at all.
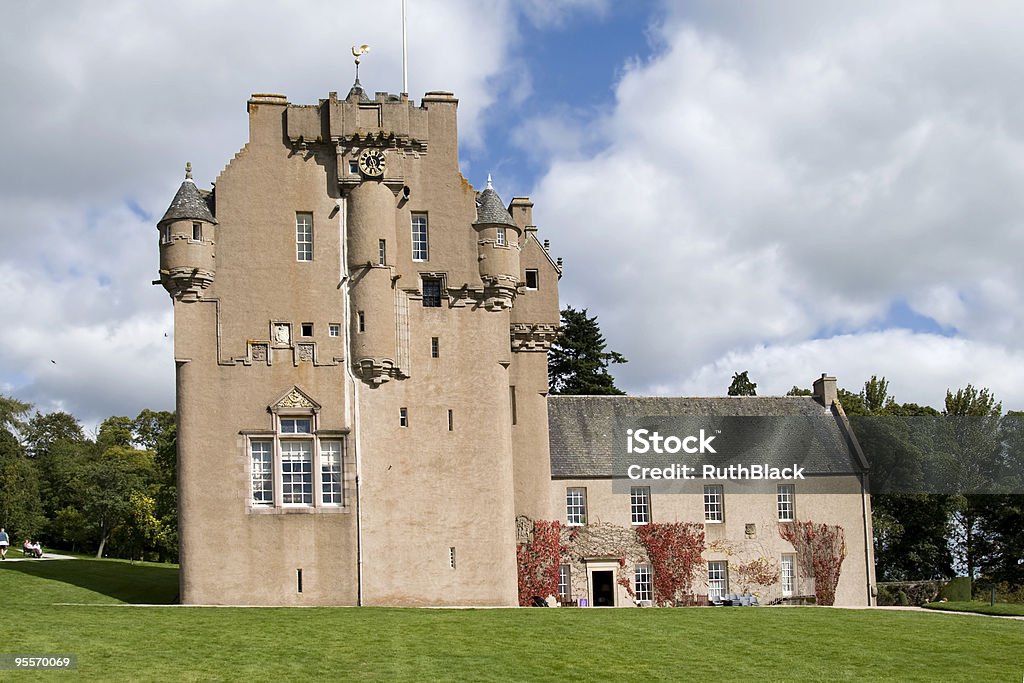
{"x":490,"y":210}
{"x":585,"y":431}
{"x":189,"y":203}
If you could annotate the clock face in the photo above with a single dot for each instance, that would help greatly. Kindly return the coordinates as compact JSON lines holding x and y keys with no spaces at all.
{"x":372,"y":162}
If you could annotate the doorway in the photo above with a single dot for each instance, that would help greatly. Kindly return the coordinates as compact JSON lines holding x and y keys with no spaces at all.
{"x":603,"y":588}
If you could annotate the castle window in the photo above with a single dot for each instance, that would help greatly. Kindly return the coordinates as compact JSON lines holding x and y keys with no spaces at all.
{"x":451,"y":421}
{"x":165,"y":235}
{"x":297,"y":472}
{"x":353,"y":167}
{"x":512,"y":403}
{"x":304,"y":236}
{"x":787,"y":502}
{"x":435,"y":347}
{"x":713,"y":504}
{"x":197,"y":232}
{"x":576,"y":506}
{"x":330,"y":472}
{"x":307,"y":329}
{"x":295,"y":425}
{"x":262,"y":472}
{"x":382,"y":252}
{"x":403,"y":417}
{"x":334,"y":330}
{"x":531,"y":279}
{"x":640,"y":504}
{"x":564,"y":583}
{"x":362,"y":322}
{"x":431,"y":292}
{"x":451,"y":557}
{"x":718,"y":580}
{"x":499,"y":238}
{"x":642,"y":584}
{"x":788,"y":576}
{"x":420,"y":250}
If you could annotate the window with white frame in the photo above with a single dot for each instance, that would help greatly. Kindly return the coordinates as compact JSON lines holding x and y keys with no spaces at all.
{"x":640,"y":504}
{"x":787,"y":502}
{"x":531,"y":279}
{"x":330,"y":472}
{"x":642,"y":584}
{"x":262,"y":472}
{"x":382,"y":252}
{"x":499,"y":239}
{"x":576,"y":506}
{"x":297,"y":472}
{"x":788,"y":578}
{"x":564,"y":583}
{"x":334,"y":330}
{"x":165,"y":235}
{"x":718,"y":580}
{"x":713,"y":504}
{"x":293,"y":466}
{"x":420,"y":244}
{"x":304,"y":236}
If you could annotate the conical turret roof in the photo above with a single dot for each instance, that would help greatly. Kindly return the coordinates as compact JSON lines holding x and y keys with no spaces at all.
{"x":490,"y":210}
{"x":189,"y":203}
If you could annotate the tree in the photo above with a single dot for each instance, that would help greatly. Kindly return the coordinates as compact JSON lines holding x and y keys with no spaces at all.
{"x":797,"y":391}
{"x":742,"y":386}
{"x":578,"y":362}
{"x":107,"y":486}
{"x":975,"y":447}
{"x":20,"y":508}
{"x":42,"y":431}
{"x":150,"y":425}
{"x":11,"y":412}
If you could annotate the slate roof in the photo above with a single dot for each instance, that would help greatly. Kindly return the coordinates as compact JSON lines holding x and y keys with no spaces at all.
{"x":490,"y":210}
{"x":188,"y":204}
{"x":588,"y":433}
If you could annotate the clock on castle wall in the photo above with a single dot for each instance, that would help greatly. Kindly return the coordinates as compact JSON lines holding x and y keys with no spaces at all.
{"x":372,"y":162}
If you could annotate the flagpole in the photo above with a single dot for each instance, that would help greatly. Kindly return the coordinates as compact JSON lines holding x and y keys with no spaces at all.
{"x":405,"y":55}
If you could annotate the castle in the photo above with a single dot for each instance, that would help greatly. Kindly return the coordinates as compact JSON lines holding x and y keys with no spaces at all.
{"x":361,"y":354}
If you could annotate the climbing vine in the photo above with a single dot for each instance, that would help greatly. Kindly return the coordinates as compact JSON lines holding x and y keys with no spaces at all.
{"x":674,"y":550}
{"x":538,"y":556}
{"x":820,"y":551}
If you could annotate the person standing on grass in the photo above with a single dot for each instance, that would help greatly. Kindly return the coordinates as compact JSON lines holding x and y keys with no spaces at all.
{"x":5,"y":541}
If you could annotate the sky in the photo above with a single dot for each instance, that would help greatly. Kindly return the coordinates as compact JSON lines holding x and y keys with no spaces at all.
{"x":787,"y":188}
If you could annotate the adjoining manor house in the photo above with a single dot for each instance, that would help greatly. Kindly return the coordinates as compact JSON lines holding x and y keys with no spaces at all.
{"x":361,"y":349}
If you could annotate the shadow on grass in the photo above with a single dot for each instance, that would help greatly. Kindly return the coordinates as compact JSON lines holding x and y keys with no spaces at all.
{"x":92,"y":581}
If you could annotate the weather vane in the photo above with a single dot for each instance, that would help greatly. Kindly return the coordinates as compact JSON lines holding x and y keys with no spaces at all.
{"x":358,"y":52}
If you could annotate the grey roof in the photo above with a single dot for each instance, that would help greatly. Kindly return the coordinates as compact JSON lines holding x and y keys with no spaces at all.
{"x":490,"y":210}
{"x":588,"y":433}
{"x":188,"y":204}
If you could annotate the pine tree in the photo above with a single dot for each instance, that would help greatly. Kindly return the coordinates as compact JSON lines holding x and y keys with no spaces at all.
{"x":578,"y":362}
{"x":742,"y":386}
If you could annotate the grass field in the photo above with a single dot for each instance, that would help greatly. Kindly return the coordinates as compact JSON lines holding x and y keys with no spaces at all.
{"x":186,"y":643}
{"x":1000,"y":609}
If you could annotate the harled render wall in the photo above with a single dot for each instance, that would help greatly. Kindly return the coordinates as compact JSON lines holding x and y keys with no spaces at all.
{"x":423,"y":489}
{"x":831,"y":500}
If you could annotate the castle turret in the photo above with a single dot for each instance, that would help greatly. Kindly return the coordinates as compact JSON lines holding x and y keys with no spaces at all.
{"x":498,"y":247}
{"x":187,"y":243}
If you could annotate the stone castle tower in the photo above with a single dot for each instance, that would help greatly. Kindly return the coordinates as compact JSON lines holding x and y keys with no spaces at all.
{"x":360,"y":341}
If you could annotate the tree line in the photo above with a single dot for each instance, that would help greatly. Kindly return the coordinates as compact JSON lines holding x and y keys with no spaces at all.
{"x":114,"y":494}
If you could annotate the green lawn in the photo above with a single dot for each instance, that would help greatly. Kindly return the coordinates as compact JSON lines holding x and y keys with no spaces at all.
{"x":185,"y":643}
{"x":1000,"y":609}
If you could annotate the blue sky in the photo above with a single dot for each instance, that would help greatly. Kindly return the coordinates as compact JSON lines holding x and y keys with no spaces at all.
{"x":788,"y":188}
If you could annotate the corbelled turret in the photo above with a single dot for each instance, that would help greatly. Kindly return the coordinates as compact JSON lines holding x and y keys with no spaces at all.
{"x":498,"y":249}
{"x":187,"y":243}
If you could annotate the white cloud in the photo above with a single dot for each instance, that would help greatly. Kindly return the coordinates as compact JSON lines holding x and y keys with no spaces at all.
{"x":774,"y":177}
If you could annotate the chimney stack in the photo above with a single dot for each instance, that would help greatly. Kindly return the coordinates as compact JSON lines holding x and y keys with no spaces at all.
{"x":825,"y":391}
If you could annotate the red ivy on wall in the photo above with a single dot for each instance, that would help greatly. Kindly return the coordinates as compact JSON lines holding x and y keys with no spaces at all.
{"x":674,"y":550}
{"x":820,"y":551}
{"x":538,"y":561}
